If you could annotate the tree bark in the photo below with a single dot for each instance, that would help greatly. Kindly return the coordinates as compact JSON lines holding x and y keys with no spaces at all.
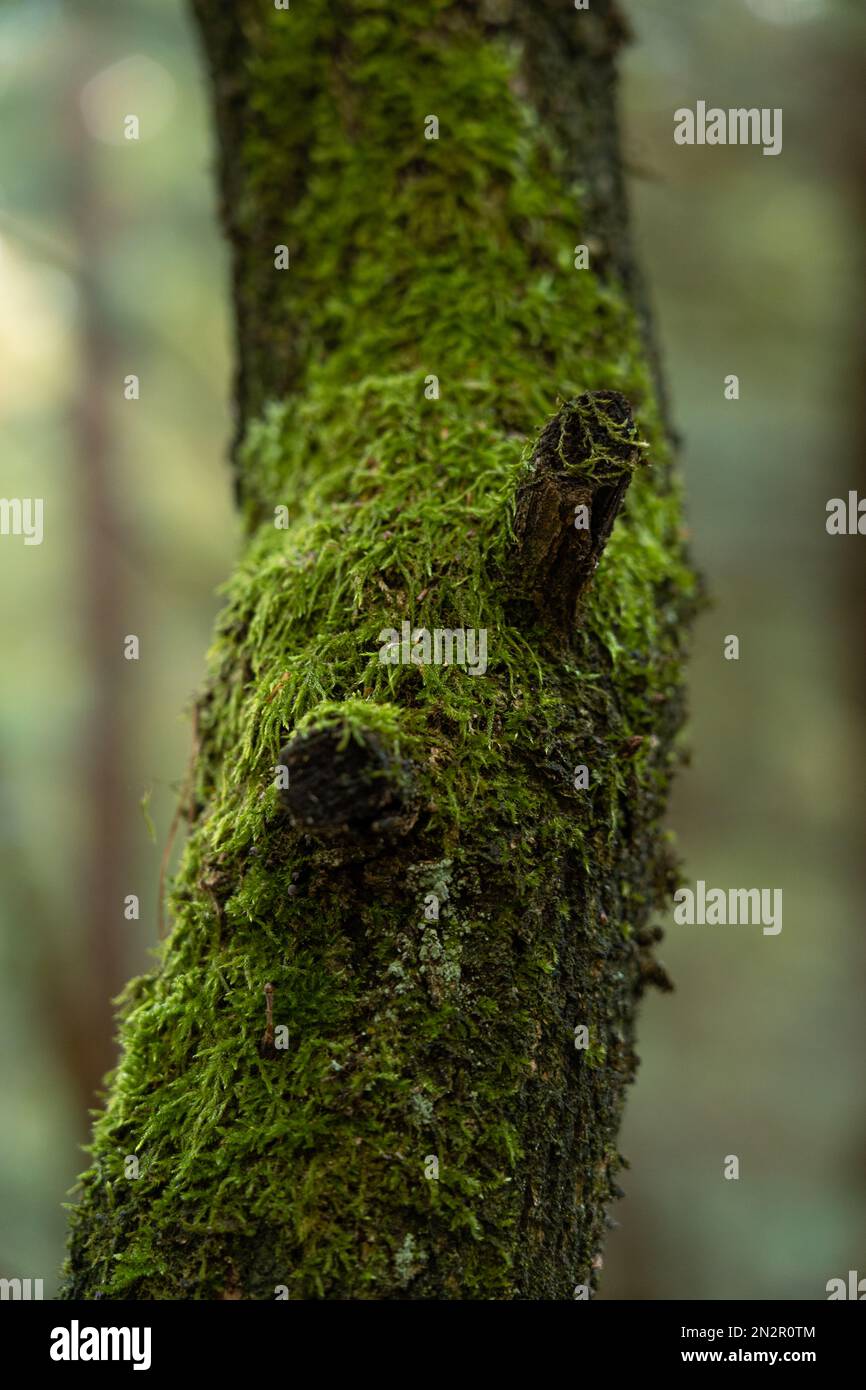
{"x":386,"y":1051}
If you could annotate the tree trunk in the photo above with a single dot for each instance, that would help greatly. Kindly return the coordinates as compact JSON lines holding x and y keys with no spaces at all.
{"x":386,"y":1051}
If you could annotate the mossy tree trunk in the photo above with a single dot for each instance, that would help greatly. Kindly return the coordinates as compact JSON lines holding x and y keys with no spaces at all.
{"x":386,"y":1051}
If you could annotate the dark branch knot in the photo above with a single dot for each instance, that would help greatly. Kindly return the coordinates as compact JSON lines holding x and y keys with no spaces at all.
{"x":566,"y":507}
{"x":347,"y":787}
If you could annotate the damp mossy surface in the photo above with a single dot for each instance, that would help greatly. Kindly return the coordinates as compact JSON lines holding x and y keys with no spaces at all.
{"x":430,"y":1128}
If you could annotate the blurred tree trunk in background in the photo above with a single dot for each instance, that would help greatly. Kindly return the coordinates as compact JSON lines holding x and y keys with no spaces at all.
{"x":78,"y":997}
{"x":386,"y":1052}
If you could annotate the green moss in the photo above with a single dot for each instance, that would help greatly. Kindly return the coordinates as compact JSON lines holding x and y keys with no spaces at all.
{"x":409,"y":1037}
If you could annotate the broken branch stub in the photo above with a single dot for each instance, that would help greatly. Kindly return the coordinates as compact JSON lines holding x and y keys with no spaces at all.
{"x":565,"y":510}
{"x":347,"y":789}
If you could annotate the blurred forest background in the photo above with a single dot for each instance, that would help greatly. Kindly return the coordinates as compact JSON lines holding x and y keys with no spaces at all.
{"x":111,"y":263}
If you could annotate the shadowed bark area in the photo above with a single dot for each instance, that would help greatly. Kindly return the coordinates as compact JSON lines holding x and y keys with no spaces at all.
{"x":386,"y":1051}
{"x":346,"y":788}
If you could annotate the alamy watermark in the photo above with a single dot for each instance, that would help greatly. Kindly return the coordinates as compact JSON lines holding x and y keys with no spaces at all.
{"x":854,"y":1289}
{"x":846,"y":518}
{"x":737,"y":126}
{"x":729,"y":907}
{"x":77,"y":1343}
{"x":22,"y":1289}
{"x":443,"y":646}
{"x":22,"y":516}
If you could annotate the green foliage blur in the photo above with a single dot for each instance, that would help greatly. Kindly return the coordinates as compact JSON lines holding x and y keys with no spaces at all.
{"x":111,"y":264}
